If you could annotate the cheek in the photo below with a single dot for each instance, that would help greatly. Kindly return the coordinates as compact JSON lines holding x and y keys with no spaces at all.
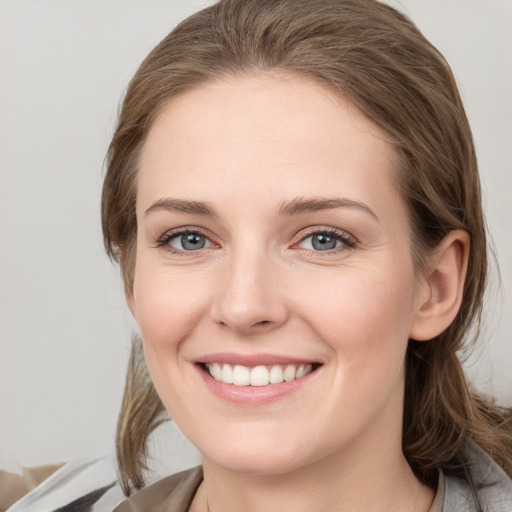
{"x":166,"y":307}
{"x":359,"y":301}
{"x":364,"y":317}
{"x":167,"y":310}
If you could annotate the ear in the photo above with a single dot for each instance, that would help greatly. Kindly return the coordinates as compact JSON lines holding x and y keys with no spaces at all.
{"x":441,"y":290}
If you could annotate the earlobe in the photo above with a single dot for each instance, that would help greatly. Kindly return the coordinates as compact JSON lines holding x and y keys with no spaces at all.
{"x":444,"y":285}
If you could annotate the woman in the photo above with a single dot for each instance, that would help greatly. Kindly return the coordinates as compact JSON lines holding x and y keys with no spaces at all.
{"x":293,"y":197}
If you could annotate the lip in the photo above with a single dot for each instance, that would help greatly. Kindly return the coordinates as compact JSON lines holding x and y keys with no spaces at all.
{"x":253,"y":395}
{"x":252,"y":360}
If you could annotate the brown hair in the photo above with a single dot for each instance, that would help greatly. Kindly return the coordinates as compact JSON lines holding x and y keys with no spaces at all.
{"x":377,"y":58}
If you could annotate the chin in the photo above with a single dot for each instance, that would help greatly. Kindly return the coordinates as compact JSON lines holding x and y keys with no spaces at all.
{"x":259,"y":458}
{"x":258,"y":464}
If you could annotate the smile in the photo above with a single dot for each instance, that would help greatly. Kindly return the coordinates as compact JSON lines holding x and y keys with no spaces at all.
{"x":258,"y":375}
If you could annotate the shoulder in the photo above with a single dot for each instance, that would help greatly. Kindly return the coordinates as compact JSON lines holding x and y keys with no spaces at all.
{"x":174,"y":493}
{"x":492,"y":484}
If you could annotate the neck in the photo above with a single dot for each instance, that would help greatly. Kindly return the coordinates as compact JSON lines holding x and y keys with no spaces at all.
{"x":345,"y":481}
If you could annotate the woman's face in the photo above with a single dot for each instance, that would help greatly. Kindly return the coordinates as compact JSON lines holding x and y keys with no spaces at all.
{"x":273,"y":244}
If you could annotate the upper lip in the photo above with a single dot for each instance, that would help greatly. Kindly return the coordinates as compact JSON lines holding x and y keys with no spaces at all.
{"x":252,"y":360}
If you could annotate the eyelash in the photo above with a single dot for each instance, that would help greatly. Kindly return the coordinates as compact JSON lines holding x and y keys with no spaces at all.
{"x":348,"y":241}
{"x":164,"y":241}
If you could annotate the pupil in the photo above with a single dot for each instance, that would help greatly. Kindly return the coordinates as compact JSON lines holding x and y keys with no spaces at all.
{"x":192,"y":242}
{"x":322,"y":242}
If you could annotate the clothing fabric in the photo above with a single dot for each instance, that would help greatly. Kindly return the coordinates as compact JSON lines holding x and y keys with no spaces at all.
{"x":173,"y":493}
{"x":78,"y":486}
{"x":493,"y":486}
{"x":85,"y":485}
{"x":176,"y":492}
{"x":92,"y":486}
{"x":14,"y":486}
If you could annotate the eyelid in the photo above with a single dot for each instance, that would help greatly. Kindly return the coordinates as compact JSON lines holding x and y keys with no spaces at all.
{"x":347,"y":239}
{"x":163,"y":241}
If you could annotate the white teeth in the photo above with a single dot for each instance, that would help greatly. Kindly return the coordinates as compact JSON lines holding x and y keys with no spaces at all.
{"x":289,"y":373}
{"x":303,"y":370}
{"x":227,"y":374}
{"x":276,"y":374}
{"x":241,"y":376}
{"x":216,"y":371}
{"x":300,"y":372}
{"x":259,"y":375}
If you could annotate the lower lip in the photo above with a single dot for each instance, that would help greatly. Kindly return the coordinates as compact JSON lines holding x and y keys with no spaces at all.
{"x":253,"y":395}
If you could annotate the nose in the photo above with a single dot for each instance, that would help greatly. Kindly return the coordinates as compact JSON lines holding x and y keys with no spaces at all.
{"x":250,"y":299}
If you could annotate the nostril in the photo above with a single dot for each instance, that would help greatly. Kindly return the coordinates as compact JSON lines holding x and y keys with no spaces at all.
{"x":262,"y":323}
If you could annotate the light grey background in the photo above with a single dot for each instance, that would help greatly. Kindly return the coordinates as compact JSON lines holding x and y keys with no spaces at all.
{"x":64,"y":328}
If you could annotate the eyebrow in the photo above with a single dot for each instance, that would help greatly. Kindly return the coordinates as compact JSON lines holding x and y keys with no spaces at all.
{"x":297,"y":206}
{"x":301,"y":205}
{"x":180,"y":205}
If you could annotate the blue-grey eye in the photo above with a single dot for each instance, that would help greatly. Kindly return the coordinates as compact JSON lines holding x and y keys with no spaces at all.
{"x":321,"y":242}
{"x":189,"y":242}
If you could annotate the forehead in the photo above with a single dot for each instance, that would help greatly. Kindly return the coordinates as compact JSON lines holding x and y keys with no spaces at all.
{"x":270,"y":133}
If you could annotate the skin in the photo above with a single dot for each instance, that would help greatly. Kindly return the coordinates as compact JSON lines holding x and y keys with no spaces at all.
{"x":245,"y":146}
